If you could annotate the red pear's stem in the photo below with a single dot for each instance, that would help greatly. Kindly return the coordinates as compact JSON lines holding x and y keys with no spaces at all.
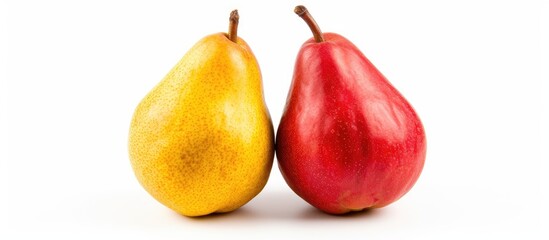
{"x":233,"y":25}
{"x":304,"y":13}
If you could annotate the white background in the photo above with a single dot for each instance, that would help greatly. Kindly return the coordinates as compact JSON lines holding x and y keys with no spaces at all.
{"x":72,"y":74}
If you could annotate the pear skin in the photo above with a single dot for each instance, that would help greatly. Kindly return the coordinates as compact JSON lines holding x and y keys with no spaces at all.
{"x":348,"y":140}
{"x":202,"y":140}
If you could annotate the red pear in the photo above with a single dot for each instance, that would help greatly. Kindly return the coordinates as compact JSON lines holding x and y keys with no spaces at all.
{"x":347,"y":140}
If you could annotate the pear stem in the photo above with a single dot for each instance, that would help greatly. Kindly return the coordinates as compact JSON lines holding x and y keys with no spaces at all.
{"x":302,"y":11}
{"x":233,"y":26}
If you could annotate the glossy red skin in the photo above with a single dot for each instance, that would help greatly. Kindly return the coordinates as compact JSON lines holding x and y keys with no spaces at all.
{"x":347,"y":140}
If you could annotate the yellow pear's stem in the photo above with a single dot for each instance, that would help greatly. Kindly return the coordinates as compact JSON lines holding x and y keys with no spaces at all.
{"x":233,"y":26}
{"x":302,"y":11}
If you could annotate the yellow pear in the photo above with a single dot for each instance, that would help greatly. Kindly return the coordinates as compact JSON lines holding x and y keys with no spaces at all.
{"x":202,"y":140}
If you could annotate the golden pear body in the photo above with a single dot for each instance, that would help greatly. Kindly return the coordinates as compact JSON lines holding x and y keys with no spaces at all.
{"x":202,"y":140}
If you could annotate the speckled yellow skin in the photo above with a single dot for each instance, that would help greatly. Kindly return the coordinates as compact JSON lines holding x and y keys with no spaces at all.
{"x":202,"y":140}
